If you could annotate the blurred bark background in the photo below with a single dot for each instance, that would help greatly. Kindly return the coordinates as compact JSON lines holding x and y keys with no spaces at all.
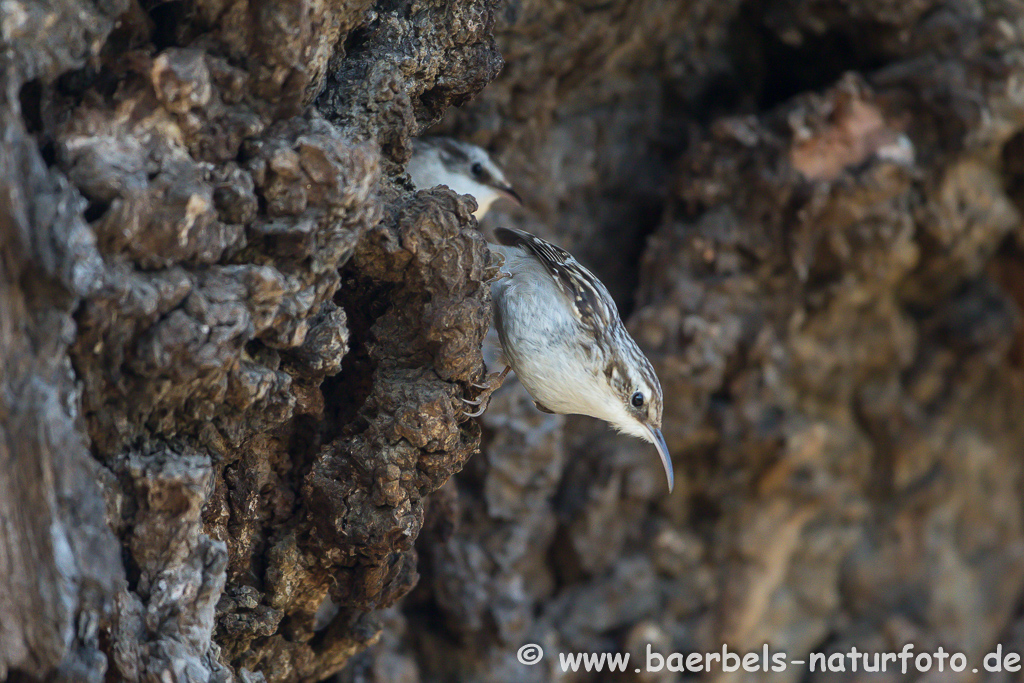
{"x":234,"y":338}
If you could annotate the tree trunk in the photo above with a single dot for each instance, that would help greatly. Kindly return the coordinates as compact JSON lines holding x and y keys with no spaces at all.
{"x":235,"y":339}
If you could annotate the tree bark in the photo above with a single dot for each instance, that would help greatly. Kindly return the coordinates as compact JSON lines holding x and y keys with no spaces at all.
{"x":235,"y":338}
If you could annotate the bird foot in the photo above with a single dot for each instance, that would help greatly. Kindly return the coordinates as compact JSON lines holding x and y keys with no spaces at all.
{"x":500,"y":276}
{"x":491,"y":384}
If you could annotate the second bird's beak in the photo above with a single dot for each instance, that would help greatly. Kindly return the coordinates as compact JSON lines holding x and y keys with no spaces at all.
{"x":510,"y":193}
{"x":659,"y":442}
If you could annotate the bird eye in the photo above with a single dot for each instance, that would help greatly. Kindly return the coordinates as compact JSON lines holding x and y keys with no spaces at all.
{"x":477,"y":169}
{"x":637,"y":400}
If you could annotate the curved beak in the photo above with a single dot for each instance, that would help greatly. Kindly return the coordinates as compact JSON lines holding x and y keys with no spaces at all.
{"x":659,"y":442}
{"x":510,"y":193}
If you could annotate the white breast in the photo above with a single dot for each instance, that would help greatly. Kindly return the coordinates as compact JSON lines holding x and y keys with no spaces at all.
{"x":540,"y":338}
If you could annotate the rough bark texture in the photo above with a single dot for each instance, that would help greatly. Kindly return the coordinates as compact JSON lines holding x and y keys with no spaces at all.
{"x":234,"y":338}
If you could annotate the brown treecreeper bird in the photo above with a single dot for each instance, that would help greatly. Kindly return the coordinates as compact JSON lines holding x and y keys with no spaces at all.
{"x":465,"y":168}
{"x":561,"y":333}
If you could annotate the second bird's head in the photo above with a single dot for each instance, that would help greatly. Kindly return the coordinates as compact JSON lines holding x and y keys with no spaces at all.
{"x":465,"y":168}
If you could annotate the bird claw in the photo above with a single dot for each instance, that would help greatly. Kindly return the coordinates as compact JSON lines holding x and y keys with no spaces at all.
{"x":477,"y":413}
{"x":500,"y":276}
{"x":493,"y":383}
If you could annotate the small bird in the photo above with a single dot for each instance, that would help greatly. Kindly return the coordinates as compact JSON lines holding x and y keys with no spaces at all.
{"x":561,"y":333}
{"x":463,"y":167}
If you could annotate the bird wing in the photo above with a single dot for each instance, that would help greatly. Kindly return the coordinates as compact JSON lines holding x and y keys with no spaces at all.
{"x":589,"y":299}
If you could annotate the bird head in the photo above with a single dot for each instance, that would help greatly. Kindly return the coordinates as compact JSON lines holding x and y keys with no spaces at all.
{"x":632,"y":399}
{"x":465,"y":168}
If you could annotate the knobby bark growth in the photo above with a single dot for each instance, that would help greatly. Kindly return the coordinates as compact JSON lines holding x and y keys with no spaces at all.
{"x":191,"y":250}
